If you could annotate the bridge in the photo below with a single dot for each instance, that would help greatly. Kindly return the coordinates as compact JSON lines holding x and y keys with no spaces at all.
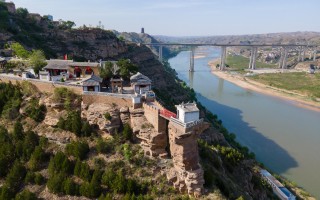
{"x":284,"y":50}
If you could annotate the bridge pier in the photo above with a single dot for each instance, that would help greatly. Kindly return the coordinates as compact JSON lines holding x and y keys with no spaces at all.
{"x":160,"y":53}
{"x":191,"y":69}
{"x":299,"y":54}
{"x":303,"y":55}
{"x":285,"y":59}
{"x":281,"y":58}
{"x":223,"y":57}
{"x":253,"y":58}
{"x":315,"y":55}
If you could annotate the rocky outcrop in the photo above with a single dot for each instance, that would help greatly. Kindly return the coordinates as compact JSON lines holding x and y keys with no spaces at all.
{"x":152,"y":142}
{"x":186,"y":173}
{"x":95,"y":115}
{"x":125,"y":115}
{"x":212,"y":135}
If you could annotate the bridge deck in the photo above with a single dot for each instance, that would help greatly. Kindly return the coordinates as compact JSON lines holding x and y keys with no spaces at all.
{"x":230,"y":45}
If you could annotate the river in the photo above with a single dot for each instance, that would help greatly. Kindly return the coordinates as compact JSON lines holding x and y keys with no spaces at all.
{"x":283,"y":136}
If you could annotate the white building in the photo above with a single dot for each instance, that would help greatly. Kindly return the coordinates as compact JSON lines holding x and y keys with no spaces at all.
{"x":188,"y":112}
{"x":43,"y":75}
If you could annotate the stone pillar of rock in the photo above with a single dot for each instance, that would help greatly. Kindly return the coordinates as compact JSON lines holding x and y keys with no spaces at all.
{"x":186,"y":173}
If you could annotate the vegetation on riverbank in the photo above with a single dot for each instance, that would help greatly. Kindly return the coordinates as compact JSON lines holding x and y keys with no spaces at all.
{"x":240,"y":63}
{"x":299,"y":82}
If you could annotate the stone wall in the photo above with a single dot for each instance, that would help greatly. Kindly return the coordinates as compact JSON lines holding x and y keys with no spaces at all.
{"x":121,"y":102}
{"x":41,"y":85}
{"x":152,"y":115}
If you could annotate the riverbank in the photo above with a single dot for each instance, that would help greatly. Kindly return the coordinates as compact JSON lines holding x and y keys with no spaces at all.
{"x":245,"y":82}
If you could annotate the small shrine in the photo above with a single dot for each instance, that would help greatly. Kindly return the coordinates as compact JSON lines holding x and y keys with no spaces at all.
{"x":187,"y":112}
{"x":93,"y":83}
{"x":140,"y":83}
{"x":116,"y":84}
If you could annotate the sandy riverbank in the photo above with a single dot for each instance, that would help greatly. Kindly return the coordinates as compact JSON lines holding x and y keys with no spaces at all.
{"x":244,"y":82}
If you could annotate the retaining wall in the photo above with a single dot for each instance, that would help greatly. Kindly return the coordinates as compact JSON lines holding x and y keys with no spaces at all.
{"x":152,"y":115}
{"x":89,"y":98}
{"x":42,"y":86}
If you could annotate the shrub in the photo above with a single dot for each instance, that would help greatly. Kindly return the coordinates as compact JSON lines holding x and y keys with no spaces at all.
{"x":60,"y":164}
{"x":16,"y":176}
{"x":39,"y":179}
{"x":107,"y":116}
{"x":127,"y":153}
{"x":86,"y":129}
{"x":26,"y":195}
{"x":127,"y":132}
{"x":70,"y":187}
{"x":78,"y":149}
{"x":36,"y":111}
{"x":55,"y":183}
{"x":105,"y":146}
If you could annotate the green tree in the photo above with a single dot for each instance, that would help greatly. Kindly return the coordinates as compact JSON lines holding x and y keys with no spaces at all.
{"x":19,"y":50}
{"x":69,"y":187}
{"x":39,"y":179}
{"x":127,"y":132}
{"x":126,"y":68}
{"x":22,"y":12}
{"x":26,"y":195}
{"x":6,"y":193}
{"x":55,"y":183}
{"x":15,"y":177}
{"x":37,"y":60}
{"x":86,"y":129}
{"x":37,"y":157}
{"x":66,"y":24}
{"x":18,"y":131}
{"x":78,"y":149}
{"x":106,"y":71}
{"x":4,"y":16}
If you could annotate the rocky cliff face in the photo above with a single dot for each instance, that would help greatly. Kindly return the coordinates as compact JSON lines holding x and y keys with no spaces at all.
{"x":186,"y":173}
{"x":152,"y":142}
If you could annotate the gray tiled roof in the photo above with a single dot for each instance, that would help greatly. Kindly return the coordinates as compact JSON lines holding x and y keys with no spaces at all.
{"x":138,"y":77}
{"x":58,"y":64}
{"x":93,"y":78}
{"x":84,"y":64}
{"x":90,"y":83}
{"x":64,"y":64}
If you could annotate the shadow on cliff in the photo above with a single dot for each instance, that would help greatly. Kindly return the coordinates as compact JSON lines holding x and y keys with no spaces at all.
{"x":267,"y":151}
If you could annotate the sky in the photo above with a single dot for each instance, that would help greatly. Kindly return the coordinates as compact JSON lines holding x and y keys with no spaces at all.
{"x":185,"y":17}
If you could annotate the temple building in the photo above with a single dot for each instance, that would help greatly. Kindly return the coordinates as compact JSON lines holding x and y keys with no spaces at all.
{"x":92,"y":83}
{"x":70,"y":69}
{"x":140,"y":83}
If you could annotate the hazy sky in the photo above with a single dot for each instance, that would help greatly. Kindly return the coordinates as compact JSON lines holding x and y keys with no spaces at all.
{"x":185,"y":17}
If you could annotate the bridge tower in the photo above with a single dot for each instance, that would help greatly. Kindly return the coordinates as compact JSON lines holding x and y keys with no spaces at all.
{"x":315,"y":54}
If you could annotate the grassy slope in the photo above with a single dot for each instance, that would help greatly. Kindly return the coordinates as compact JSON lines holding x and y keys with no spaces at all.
{"x":300,"y":82}
{"x":239,"y":63}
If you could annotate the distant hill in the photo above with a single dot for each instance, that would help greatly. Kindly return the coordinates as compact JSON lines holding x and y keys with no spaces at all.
{"x":270,"y":38}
